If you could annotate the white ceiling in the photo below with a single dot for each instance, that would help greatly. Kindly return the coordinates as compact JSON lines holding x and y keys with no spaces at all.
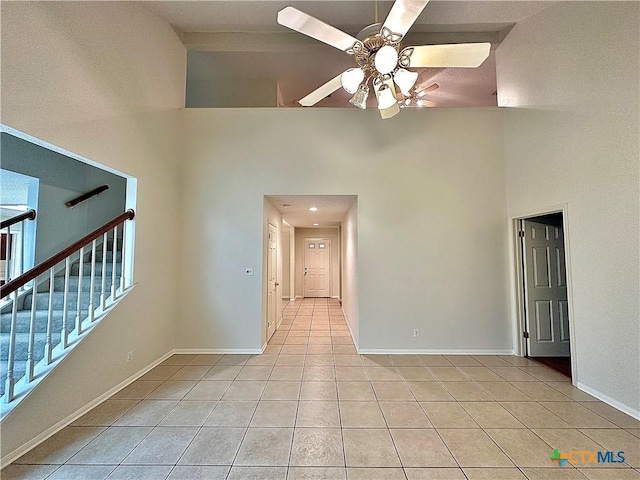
{"x":241,"y":40}
{"x":331,"y":209}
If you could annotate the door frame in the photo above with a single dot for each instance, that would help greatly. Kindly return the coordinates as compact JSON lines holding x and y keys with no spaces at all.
{"x":304,"y":261}
{"x":518,"y":299}
{"x":277,"y":283}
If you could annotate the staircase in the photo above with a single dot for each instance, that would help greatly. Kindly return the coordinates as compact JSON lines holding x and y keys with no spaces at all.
{"x":41,"y":299}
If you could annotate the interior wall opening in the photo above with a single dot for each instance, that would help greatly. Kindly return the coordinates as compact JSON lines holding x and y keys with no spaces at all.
{"x":546,"y":323}
{"x":303,"y":251}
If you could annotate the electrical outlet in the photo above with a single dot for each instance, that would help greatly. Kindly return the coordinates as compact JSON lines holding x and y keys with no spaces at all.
{"x":129,"y":356}
{"x":416,"y":333}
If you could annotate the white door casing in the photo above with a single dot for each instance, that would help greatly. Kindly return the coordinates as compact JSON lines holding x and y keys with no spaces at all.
{"x":317,"y":267}
{"x":545,"y":286}
{"x":272,"y":279}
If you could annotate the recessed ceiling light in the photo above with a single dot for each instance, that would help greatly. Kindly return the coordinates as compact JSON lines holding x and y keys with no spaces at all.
{"x":316,"y":224}
{"x":314,"y":209}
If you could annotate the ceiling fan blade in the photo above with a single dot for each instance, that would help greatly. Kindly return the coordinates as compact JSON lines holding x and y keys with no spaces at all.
{"x":430,"y":88}
{"x":321,"y":92}
{"x":403,"y":14}
{"x":461,"y":55}
{"x":306,"y":24}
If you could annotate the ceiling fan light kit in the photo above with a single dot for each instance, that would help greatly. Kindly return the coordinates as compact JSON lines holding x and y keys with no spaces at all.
{"x":360,"y":98}
{"x":379,"y":59}
{"x":351,"y":79}
{"x":405,"y":80}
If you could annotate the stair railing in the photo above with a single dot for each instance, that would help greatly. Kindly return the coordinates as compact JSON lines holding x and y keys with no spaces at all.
{"x":12,"y":270}
{"x":79,"y":249}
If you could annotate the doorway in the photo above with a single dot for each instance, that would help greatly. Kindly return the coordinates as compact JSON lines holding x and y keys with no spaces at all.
{"x":317,"y":267}
{"x":543,"y":279}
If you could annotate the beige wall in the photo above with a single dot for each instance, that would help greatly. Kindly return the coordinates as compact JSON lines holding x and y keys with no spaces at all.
{"x":569,"y":143}
{"x":104,"y":80}
{"x":286,"y":261}
{"x":432,"y":234}
{"x":350,"y":270}
{"x":334,"y":235}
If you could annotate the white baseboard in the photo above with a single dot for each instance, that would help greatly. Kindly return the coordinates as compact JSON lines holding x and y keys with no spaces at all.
{"x":38,"y":439}
{"x":355,"y":341}
{"x":610,"y":401}
{"x":337,"y":297}
{"x":431,"y":351}
{"x":213,"y":351}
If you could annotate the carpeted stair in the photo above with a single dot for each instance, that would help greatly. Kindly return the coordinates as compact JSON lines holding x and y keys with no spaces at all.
{"x":42,"y":306}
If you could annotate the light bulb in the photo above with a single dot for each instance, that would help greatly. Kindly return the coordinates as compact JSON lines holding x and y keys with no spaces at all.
{"x":420,"y":103}
{"x":405,"y":80}
{"x":360,"y":98}
{"x":386,"y":59}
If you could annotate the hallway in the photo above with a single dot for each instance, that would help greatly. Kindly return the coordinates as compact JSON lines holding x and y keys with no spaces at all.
{"x":310,"y":407}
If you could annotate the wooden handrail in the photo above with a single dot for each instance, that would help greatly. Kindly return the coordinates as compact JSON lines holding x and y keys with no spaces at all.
{"x":96,"y":191}
{"x":10,"y":287}
{"x":28,"y":215}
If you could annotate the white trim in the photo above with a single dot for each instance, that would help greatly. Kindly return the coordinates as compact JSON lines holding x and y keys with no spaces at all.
{"x":337,"y":297}
{"x":38,"y":439}
{"x":62,"y":151}
{"x":517,"y":295}
{"x":608,"y":400}
{"x":213,"y":351}
{"x":299,"y":296}
{"x":432,"y":351}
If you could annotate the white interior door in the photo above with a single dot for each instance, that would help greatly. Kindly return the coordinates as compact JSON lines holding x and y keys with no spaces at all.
{"x":272,"y":280}
{"x":317,"y":267}
{"x":547,"y":312}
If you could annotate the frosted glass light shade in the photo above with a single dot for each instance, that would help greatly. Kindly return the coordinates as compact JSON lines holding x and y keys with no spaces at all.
{"x":360,"y":98}
{"x":386,"y":98}
{"x":405,"y":80}
{"x":386,"y":59}
{"x":351,"y":79}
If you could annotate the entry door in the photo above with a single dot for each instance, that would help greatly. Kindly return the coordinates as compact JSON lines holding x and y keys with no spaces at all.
{"x":547,"y":312}
{"x":272,"y":284}
{"x":317,"y":266}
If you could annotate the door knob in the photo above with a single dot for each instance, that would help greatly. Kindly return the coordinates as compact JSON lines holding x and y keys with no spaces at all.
{"x":277,"y":284}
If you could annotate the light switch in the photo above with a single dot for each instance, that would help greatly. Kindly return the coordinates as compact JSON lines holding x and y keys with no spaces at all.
{"x":248,"y":271}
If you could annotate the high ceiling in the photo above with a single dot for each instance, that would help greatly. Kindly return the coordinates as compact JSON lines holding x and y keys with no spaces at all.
{"x":240,"y":56}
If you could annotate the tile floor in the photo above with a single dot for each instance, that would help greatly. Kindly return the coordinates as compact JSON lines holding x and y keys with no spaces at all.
{"x":311,"y":408}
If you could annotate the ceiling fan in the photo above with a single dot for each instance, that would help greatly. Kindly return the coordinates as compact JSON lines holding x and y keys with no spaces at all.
{"x":416,"y":97}
{"x":380,"y":62}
